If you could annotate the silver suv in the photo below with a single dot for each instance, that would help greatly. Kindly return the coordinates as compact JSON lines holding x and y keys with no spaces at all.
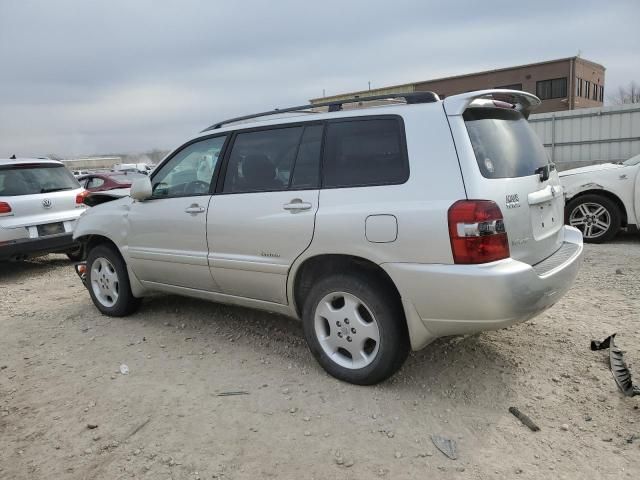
{"x":40,"y":201}
{"x":381,"y":228}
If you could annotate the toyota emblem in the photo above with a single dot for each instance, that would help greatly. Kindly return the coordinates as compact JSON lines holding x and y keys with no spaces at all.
{"x":46,"y":203}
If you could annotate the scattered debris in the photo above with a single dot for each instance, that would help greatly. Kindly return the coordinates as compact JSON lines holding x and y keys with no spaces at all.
{"x":229,"y":394}
{"x":618,"y":271}
{"x":446,"y":446}
{"x":524,"y":419}
{"x":124,"y":370}
{"x":564,"y":427}
{"x":91,"y":426}
{"x":621,"y":373}
{"x":137,"y":428}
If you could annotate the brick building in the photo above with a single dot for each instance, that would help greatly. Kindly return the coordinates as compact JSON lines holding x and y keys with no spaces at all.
{"x":563,"y":84}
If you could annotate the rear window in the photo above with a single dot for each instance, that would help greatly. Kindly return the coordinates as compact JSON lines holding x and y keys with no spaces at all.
{"x":30,"y":179}
{"x":364,"y":153}
{"x":503,"y":142}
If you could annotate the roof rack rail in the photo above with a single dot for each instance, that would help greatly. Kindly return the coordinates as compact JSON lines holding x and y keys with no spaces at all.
{"x":334,"y":106}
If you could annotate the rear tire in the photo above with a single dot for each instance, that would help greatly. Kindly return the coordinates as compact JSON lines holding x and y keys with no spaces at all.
{"x":108,"y":282}
{"x":596,"y":216}
{"x":355,"y":328}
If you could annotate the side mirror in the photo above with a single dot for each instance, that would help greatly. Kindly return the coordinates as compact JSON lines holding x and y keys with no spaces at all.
{"x":141,"y":189}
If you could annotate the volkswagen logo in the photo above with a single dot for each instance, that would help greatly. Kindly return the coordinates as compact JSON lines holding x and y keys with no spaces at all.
{"x":46,"y":203}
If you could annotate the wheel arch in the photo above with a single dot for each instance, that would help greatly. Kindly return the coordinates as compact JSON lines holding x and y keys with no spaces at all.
{"x":603,"y":193}
{"x":92,"y":240}
{"x":318,"y":266}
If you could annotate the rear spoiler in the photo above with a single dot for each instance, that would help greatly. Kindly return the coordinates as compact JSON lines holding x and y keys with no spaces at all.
{"x":522,"y":101}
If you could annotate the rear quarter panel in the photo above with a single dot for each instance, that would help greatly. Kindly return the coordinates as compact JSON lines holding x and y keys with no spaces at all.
{"x":420,"y":205}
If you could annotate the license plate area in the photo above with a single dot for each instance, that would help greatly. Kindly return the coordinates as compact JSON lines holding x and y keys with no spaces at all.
{"x":546,"y":218}
{"x":50,"y":229}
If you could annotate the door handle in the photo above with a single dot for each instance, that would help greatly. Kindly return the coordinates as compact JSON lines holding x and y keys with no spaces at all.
{"x":296,"y":205}
{"x":194,"y":208}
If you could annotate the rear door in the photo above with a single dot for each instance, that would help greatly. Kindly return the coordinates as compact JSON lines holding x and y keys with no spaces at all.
{"x":503,"y":160}
{"x":262,"y":218}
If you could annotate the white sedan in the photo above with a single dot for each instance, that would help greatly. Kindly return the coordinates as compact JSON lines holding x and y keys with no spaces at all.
{"x":601,"y":199}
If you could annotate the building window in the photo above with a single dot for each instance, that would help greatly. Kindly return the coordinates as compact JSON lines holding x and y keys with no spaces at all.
{"x":554,"y":88}
{"x":513,"y":86}
{"x":587,"y":88}
{"x":578,"y":87}
{"x":596,"y":89}
{"x":601,"y":93}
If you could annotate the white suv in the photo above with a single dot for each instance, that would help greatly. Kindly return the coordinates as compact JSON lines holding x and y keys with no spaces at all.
{"x":381,"y":228}
{"x":40,"y":201}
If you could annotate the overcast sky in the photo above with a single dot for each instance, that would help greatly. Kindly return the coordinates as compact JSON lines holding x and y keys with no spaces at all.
{"x":87,"y":77}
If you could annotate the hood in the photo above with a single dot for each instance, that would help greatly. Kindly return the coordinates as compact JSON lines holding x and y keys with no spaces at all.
{"x":591,"y":168}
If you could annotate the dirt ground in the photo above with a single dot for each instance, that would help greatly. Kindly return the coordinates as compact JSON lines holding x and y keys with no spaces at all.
{"x":60,"y":375}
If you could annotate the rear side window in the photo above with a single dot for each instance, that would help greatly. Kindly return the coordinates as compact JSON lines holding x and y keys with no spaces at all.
{"x":306,"y":172}
{"x":364,"y":153}
{"x":504,"y":144}
{"x":30,"y":179}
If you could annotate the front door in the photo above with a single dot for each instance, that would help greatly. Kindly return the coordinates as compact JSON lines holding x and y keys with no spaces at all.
{"x":263,"y":217}
{"x":167,"y":234}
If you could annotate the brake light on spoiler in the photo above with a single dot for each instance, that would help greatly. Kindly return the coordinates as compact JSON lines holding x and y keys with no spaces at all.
{"x":477,"y":233}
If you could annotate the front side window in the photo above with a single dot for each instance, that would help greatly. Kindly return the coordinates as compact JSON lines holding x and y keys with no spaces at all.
{"x":364,"y":153}
{"x":262,"y":161}
{"x":190,"y":171}
{"x":29,"y":179}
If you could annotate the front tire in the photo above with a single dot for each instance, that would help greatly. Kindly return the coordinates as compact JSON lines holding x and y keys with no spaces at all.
{"x":108,"y":282}
{"x":596,"y":216}
{"x":355,"y":328}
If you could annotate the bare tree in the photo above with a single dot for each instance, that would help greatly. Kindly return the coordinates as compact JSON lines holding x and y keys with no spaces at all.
{"x":626,"y":95}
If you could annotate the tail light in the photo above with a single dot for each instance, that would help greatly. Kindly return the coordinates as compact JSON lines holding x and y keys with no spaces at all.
{"x":4,"y":208}
{"x":476,"y":230}
{"x":81,"y":196}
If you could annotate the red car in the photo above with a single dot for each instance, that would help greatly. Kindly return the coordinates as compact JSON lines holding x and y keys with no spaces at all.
{"x":100,"y":182}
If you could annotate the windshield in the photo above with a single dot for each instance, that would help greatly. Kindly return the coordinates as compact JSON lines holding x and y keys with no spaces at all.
{"x":30,"y":179}
{"x":503,"y":142}
{"x":632,"y":161}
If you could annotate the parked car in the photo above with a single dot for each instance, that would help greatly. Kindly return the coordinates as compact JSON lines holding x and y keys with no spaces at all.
{"x":40,"y":202}
{"x":100,"y":182}
{"x":79,"y":173}
{"x":602,"y":199}
{"x":381,"y":228}
{"x":132,"y":167}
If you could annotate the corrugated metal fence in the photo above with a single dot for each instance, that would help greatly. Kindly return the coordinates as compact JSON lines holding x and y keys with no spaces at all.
{"x":590,"y":135}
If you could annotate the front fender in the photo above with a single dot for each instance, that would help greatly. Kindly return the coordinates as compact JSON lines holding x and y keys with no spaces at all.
{"x":109,"y":220}
{"x":106,"y":220}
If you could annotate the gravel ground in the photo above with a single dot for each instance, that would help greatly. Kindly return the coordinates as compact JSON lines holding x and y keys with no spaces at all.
{"x":60,"y":376}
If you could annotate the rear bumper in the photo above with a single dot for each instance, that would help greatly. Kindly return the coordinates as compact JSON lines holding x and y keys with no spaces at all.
{"x":31,"y":246}
{"x":441,"y":300}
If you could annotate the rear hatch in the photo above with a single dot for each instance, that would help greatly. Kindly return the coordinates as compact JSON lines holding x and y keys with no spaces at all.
{"x":37,"y":194}
{"x":503,"y":160}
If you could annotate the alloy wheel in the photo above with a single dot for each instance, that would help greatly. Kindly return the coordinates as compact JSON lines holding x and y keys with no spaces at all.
{"x":104,"y":282}
{"x":347,"y":331}
{"x":592,"y":219}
